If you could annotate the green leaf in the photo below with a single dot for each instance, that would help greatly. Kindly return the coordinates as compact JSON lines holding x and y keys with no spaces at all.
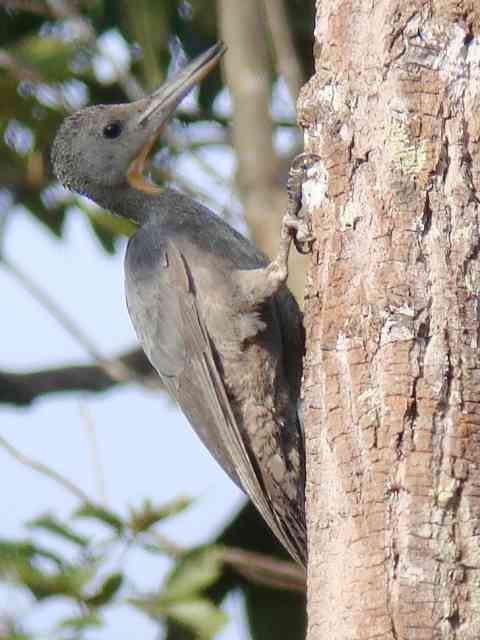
{"x":12,"y":549}
{"x":68,"y":582}
{"x":179,"y":601}
{"x":104,"y":236}
{"x":115,"y":225}
{"x":50,"y":56}
{"x":13,"y":560}
{"x":106,"y":226}
{"x":49,"y":523}
{"x":197,"y":614}
{"x":18,"y":551}
{"x":101,"y":514}
{"x":79,"y":623}
{"x":106,"y":592}
{"x":148,"y":515}
{"x":194,"y":572}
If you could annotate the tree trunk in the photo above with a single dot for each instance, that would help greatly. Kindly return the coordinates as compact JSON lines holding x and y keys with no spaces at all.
{"x":392,"y":377}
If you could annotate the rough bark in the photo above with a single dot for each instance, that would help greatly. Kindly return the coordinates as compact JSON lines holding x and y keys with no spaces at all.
{"x":392,"y":377}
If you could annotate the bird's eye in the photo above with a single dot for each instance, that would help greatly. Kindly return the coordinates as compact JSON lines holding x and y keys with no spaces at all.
{"x":112,"y":130}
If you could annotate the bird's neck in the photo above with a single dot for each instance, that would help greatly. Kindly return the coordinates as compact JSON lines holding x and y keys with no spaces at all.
{"x":134,"y":204}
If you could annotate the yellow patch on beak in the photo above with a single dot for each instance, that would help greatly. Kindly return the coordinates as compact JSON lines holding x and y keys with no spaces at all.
{"x":135,"y":177}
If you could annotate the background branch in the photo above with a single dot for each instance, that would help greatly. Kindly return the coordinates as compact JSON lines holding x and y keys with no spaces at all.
{"x":117,"y":370}
{"x":285,"y":53}
{"x":21,"y":389}
{"x":248,"y":76}
{"x":39,"y":467}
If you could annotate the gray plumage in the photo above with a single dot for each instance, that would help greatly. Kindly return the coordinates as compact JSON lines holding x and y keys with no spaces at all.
{"x":211,"y":312}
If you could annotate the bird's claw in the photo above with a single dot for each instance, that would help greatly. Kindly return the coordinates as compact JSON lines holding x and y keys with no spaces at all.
{"x":294,"y":225}
{"x":296,"y":228}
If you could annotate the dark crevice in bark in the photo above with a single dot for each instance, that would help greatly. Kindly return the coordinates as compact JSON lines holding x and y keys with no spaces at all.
{"x":357,"y":162}
{"x":454,"y":620}
{"x":427,"y":216}
{"x":394,"y":630}
{"x":411,"y":413}
{"x":448,"y":229}
{"x":439,"y":427}
{"x":399,"y":444}
{"x":422,"y":342}
{"x":443,"y":163}
{"x":473,"y":254}
{"x":467,"y":163}
{"x":446,"y":391}
{"x":424,"y":331}
{"x":376,"y":424}
{"x":396,"y":560}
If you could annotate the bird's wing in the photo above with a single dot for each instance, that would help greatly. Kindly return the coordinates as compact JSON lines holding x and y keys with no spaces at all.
{"x":164,"y":310}
{"x":202,"y":360}
{"x":204,"y":367}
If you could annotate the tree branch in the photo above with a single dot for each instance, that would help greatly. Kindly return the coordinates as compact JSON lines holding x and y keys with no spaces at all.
{"x":247,"y":75}
{"x":116,"y":370}
{"x":265,"y":569}
{"x":28,"y":6}
{"x":287,"y":59}
{"x":21,"y":389}
{"x":39,"y":467}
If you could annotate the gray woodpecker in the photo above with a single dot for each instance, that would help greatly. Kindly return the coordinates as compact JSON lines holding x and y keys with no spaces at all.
{"x":212,"y":313}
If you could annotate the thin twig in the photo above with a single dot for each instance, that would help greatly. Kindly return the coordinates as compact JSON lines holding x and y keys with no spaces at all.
{"x":94,"y":453}
{"x":169,"y":546}
{"x":29,"y":6}
{"x":48,"y":303}
{"x":285,"y":52}
{"x":117,"y":370}
{"x":265,"y":569}
{"x":259,"y":568}
{"x":44,"y":470}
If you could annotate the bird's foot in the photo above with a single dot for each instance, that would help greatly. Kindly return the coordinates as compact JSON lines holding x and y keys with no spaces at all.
{"x":257,"y":285}
{"x":293,"y":225}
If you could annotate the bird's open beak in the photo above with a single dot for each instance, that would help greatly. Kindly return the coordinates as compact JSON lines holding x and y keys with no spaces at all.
{"x":160,"y":106}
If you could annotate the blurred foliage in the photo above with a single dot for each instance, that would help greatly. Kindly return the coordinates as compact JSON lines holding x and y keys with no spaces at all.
{"x":187,"y":603}
{"x":56,"y":57}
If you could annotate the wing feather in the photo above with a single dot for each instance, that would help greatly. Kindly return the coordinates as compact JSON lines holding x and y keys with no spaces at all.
{"x":164,"y":309}
{"x":198,"y":345}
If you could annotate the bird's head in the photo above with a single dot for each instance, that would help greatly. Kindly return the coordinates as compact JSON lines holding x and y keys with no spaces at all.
{"x":103,"y":148}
